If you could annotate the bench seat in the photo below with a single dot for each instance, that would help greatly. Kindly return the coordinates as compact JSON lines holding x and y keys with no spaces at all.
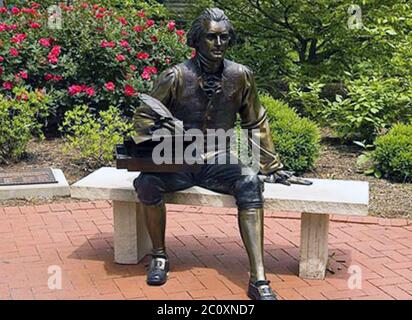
{"x":315,"y":202}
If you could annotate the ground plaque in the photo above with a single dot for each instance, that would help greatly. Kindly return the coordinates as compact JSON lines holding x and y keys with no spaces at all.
{"x":27,"y":177}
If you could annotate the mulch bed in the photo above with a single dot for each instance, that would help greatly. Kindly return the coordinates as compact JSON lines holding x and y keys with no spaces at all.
{"x":387,"y":199}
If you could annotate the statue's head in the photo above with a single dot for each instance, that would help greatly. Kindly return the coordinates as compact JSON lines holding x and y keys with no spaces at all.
{"x":211,"y":34}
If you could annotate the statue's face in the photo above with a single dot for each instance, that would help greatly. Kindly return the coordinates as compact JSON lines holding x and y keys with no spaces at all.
{"x":214,"y":43}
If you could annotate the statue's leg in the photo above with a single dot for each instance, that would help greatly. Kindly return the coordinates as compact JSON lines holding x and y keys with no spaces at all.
{"x":251,"y":229}
{"x":247,"y":189}
{"x":150,"y":189}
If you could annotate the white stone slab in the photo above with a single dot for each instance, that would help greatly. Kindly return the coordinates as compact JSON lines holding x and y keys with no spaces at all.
{"x":47,"y":190}
{"x":324,"y":196}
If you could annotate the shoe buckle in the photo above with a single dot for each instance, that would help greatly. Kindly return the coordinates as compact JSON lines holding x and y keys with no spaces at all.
{"x":160,"y":263}
{"x":265,"y":290}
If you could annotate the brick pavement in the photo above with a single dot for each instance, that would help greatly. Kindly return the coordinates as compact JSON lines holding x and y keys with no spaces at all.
{"x":207,"y":257}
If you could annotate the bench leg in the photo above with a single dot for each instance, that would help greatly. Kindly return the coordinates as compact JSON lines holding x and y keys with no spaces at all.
{"x":131,"y":238}
{"x":313,"y":246}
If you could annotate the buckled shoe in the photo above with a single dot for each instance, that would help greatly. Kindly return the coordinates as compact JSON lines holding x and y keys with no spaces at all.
{"x":260,"y":290}
{"x":158,"y":271}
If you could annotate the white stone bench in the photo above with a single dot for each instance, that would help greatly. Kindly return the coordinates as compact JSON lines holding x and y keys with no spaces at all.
{"x":316,"y":202}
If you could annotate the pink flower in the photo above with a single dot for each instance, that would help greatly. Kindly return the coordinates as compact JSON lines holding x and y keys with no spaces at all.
{"x":138,"y":28}
{"x":12,"y":27}
{"x":120,"y":57}
{"x":167,"y":60}
{"x":45,"y":42}
{"x":14,"y":52}
{"x":35,"y":5}
{"x":145,"y":75}
{"x":109,"y":86}
{"x":75,"y":89}
{"x":15,"y":10}
{"x":129,"y":91}
{"x":124,"y":33}
{"x":49,"y":76}
{"x":56,"y":51}
{"x":133,"y":67}
{"x":18,"y":38}
{"x":171,"y":25}
{"x":153,"y":39}
{"x":52,"y":59}
{"x":150,"y":22}
{"x":22,"y":96}
{"x":1,"y":58}
{"x":34,"y":25}
{"x":194,"y":53}
{"x":142,"y":56}
{"x":8,"y":85}
{"x":122,"y":20}
{"x":150,"y":70}
{"x":89,"y":91}
{"x":28,"y":10}
{"x":180,"y":33}
{"x":124,"y":43}
{"x":23,"y":74}
{"x":105,"y":44}
{"x":3,"y":27}
{"x":99,"y":16}
{"x":85,"y":5}
{"x":141,"y":14}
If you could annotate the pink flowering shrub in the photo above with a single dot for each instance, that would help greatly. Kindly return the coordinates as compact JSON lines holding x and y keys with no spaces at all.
{"x":99,"y":57}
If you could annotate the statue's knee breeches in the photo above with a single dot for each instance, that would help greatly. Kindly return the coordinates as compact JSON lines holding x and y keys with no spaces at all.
{"x":248,"y":192}
{"x":149,"y":189}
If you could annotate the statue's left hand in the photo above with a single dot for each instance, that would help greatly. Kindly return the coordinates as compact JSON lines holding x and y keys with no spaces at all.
{"x":286,"y":178}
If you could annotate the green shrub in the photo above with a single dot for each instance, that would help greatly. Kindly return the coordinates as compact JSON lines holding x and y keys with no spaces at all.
{"x":393,"y":153}
{"x":19,"y":121}
{"x":99,"y":56}
{"x":296,"y":139}
{"x":92,"y":138}
{"x":372,"y":105}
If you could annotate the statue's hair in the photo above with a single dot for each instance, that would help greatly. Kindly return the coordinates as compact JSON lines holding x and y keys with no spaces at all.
{"x":197,"y":28}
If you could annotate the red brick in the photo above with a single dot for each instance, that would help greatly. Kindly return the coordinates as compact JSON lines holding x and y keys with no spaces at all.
{"x":42,"y":208}
{"x":21,"y":294}
{"x":289,"y":294}
{"x":396,"y":292}
{"x":388,"y":281}
{"x":12,"y":211}
{"x":86,"y":205}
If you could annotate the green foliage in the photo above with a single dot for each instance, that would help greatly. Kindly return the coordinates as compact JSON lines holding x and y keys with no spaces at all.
{"x":371,"y":106}
{"x":393,"y":153}
{"x":306,"y":100}
{"x":19,"y":121}
{"x":296,"y":139}
{"x":100,"y":56}
{"x":92,"y":139}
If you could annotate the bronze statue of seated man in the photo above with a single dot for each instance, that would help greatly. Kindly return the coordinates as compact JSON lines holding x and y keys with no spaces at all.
{"x":208,"y":92}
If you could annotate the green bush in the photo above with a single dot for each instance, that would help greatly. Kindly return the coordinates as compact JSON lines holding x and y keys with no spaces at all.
{"x":99,"y":56}
{"x":393,"y":153}
{"x":92,"y":138}
{"x":372,"y":105}
{"x":19,"y":121}
{"x":296,"y":139}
